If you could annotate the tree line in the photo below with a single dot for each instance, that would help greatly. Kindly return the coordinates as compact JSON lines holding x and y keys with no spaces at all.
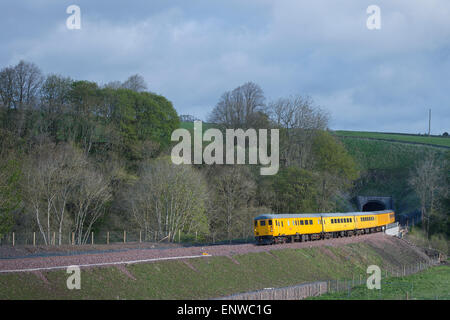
{"x":79,"y":157}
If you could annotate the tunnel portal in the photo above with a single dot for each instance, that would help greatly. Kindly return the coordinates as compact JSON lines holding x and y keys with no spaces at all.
{"x":374,"y":203}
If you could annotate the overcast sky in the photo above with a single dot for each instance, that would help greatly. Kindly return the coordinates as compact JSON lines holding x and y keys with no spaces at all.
{"x":191,"y":51}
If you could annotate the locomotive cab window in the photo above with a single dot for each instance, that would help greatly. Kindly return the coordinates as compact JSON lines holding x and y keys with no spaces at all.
{"x":262,"y":223}
{"x":270,"y":222}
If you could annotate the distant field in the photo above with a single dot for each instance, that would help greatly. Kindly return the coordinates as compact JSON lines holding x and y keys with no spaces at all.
{"x":433,"y":283}
{"x":386,"y":166}
{"x":438,"y":141}
{"x":381,"y":154}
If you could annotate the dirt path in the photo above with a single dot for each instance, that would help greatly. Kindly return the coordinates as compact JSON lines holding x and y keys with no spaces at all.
{"x":147,"y":253}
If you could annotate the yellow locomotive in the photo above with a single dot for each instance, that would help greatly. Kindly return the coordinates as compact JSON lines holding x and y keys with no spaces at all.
{"x":280,"y":228}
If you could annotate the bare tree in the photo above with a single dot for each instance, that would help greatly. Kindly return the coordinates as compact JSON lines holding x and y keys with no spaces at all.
{"x":7,"y":76}
{"x":55,"y":98}
{"x":136,"y":83}
{"x":50,"y":179}
{"x":234,"y":189}
{"x":241,"y":108}
{"x":168,"y":198}
{"x":427,"y":180}
{"x":90,"y":198}
{"x":19,"y":88}
{"x":59,"y":178}
{"x":299,"y":120}
{"x":27,"y":81}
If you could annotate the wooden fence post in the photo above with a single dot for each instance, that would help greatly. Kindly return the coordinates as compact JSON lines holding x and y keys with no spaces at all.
{"x":107,"y":237}
{"x":92,"y":238}
{"x":124,"y":236}
{"x":13,"y":239}
{"x":140,"y":236}
{"x":34,"y":239}
{"x":179,"y":235}
{"x":54,"y":238}
{"x":73,"y":238}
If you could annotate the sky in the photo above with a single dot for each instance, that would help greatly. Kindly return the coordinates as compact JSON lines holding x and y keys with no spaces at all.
{"x":192,"y":51}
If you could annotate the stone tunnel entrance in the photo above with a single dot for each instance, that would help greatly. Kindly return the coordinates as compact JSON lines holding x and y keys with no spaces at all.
{"x":374,"y":203}
{"x":374,"y":206}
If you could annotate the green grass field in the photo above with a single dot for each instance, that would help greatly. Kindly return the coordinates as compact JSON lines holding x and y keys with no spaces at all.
{"x":439,"y":141}
{"x":433,"y":283}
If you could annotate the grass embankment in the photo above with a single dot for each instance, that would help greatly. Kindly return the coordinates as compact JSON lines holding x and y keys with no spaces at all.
{"x":433,"y":283}
{"x":438,"y":141}
{"x":212,"y":276}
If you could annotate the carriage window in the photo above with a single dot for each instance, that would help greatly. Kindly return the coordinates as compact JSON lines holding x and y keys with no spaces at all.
{"x":310,"y":222}
{"x":270,"y":222}
{"x":301,"y":222}
{"x":306,"y":222}
{"x":262,"y":223}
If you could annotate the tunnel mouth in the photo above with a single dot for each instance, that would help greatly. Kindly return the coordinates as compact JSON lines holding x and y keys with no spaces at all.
{"x":373,"y":206}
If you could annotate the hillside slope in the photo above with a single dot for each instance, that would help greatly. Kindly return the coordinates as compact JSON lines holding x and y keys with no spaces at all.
{"x":217,"y":276}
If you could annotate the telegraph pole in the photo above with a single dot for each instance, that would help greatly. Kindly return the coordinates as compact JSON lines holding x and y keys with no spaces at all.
{"x":429,"y":122}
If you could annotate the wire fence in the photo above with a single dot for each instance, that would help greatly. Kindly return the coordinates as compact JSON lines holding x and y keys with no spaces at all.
{"x":389,"y":288}
{"x":54,"y":238}
{"x":350,"y":287}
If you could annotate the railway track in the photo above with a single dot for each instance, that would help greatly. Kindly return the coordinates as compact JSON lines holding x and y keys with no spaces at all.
{"x":149,"y":255}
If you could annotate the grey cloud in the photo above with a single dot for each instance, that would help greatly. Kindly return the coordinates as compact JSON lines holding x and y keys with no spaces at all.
{"x":193,"y":51}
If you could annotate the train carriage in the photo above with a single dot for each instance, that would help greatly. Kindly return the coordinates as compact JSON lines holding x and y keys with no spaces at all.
{"x":275,"y":228}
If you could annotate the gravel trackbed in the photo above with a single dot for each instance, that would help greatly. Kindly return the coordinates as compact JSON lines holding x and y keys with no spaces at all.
{"x":146,"y":254}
